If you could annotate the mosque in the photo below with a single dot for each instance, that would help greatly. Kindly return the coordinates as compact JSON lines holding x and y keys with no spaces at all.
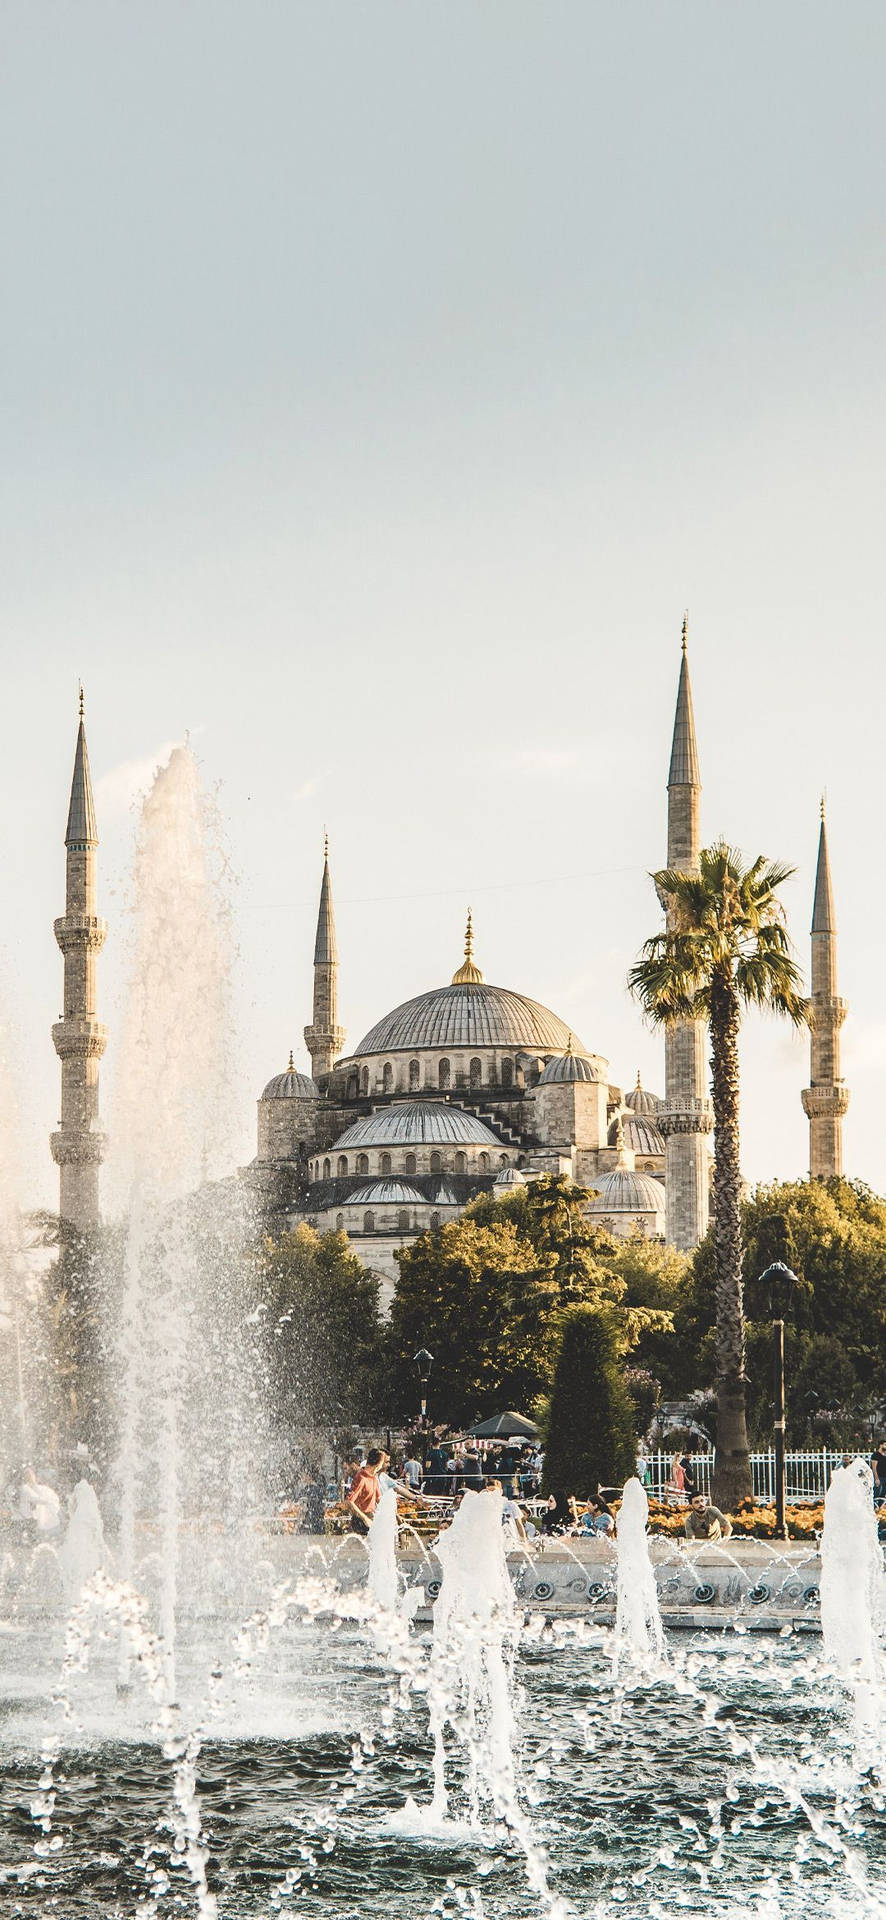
{"x":465,"y":1089}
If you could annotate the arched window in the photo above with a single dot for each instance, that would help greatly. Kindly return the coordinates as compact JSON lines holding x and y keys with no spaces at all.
{"x":386,"y":1163}
{"x":476,"y":1071}
{"x":409,"y":1163}
{"x":342,"y":1165}
{"x":436,"y":1162}
{"x":387,"y":1077}
{"x":484,"y":1163}
{"x":444,"y":1074}
{"x":435,"y":1219}
{"x":327,"y":1169}
{"x":403,"y":1220}
{"x":362,"y":1163}
{"x":353,"y":1084}
{"x":460,"y":1162}
{"x":414,"y":1076}
{"x":507,"y":1073}
{"x":364,"y":1080}
{"x":369,"y":1223}
{"x":339,"y":1222}
{"x":502,"y":1159}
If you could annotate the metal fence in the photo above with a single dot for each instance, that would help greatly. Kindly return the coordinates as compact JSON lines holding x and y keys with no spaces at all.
{"x":808,"y":1473}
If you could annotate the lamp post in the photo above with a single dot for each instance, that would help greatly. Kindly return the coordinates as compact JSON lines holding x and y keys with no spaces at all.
{"x":780,"y":1280}
{"x":424,"y":1361}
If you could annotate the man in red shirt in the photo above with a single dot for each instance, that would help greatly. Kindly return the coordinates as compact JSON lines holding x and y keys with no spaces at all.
{"x":364,"y":1492}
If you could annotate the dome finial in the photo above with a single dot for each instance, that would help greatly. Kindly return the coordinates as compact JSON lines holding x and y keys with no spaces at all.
{"x":570,"y":1045}
{"x":468,"y":974}
{"x":685,"y":631}
{"x":639,"y":1082}
{"x":325,"y":844}
{"x":82,"y":699}
{"x":291,"y":1066}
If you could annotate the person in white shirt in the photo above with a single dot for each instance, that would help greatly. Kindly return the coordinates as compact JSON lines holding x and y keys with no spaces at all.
{"x":511,"y":1517}
{"x":39,"y":1504}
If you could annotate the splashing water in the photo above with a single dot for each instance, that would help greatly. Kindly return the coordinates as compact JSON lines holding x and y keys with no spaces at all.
{"x":83,"y":1552}
{"x":852,"y":1575}
{"x":187,"y":1444}
{"x":383,"y":1581}
{"x":638,"y":1625}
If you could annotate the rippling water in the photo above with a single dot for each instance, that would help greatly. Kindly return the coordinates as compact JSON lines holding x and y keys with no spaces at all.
{"x":635,"y":1793}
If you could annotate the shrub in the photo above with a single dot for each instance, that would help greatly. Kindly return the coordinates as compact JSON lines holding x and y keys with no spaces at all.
{"x":591,"y":1440}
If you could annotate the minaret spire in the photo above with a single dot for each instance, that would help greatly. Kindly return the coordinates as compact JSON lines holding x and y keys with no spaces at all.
{"x":825,"y":1101}
{"x":324,"y":1038}
{"x":79,"y":1038}
{"x":686,"y":1118}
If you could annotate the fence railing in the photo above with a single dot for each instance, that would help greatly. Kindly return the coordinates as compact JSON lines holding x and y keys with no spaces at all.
{"x":808,"y":1472}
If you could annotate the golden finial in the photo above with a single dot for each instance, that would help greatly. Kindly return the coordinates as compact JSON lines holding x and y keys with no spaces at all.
{"x":468,"y":974}
{"x":570,"y":1048}
{"x":823,"y":803}
{"x":685,"y":630}
{"x":291,"y":1066}
{"x":639,"y":1082}
{"x":325,"y":845}
{"x":81,"y":698}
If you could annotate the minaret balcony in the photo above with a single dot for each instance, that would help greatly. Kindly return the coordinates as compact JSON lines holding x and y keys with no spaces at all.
{"x":828,"y":1010}
{"x":685,"y":1116}
{"x":79,"y":1038}
{"x":78,"y":1149}
{"x":80,"y":930}
{"x":826,"y":1103}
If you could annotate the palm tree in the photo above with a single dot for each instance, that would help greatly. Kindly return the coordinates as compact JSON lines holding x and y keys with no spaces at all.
{"x":725,"y":948}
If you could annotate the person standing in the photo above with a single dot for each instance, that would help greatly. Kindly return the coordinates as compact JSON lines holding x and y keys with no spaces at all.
{"x":364,"y":1492}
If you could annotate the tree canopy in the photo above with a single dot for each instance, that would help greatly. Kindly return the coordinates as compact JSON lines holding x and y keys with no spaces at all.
{"x":322,"y":1326}
{"x":486,"y":1294}
{"x":590,"y":1439}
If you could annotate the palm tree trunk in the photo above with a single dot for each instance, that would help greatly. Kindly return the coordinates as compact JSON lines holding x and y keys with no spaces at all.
{"x":732,"y":1475}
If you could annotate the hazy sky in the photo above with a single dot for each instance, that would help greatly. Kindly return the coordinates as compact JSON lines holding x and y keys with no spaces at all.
{"x":379,"y":384}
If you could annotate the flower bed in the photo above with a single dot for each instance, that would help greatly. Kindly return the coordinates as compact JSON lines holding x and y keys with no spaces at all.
{"x":749,"y":1522}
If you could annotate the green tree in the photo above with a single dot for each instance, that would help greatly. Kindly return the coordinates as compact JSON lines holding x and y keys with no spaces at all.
{"x":323,"y":1329}
{"x":725,"y":948}
{"x":486,"y":1293}
{"x":832,"y":1234}
{"x":590,"y":1436}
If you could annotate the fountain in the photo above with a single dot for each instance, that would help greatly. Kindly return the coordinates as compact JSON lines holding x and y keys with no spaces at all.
{"x":638,"y":1624}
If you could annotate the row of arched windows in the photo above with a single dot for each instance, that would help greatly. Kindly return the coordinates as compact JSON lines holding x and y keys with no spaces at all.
{"x":403,"y":1221}
{"x":410,"y":1164}
{"x":444,"y":1077}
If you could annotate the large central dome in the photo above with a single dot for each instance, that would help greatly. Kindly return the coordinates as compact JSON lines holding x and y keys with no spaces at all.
{"x":469,"y":1015}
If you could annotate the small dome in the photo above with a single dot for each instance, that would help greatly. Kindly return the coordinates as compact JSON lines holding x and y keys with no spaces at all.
{"x":291,"y":1085}
{"x":640,"y":1101}
{"x":640,"y":1133}
{"x":570,"y":1066}
{"x":622,"y":1191}
{"x":385,"y":1193}
{"x":507,"y":1178}
{"x":419,"y":1123}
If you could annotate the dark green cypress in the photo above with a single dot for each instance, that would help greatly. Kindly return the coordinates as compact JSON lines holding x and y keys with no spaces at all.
{"x":591,"y":1441}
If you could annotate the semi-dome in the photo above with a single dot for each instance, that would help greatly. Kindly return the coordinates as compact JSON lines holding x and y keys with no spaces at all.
{"x":508,"y":1178}
{"x":386,"y":1193}
{"x":419,"y":1123}
{"x":639,"y":1132}
{"x":623,"y":1191}
{"x":570,"y":1066}
{"x":467,"y":1015}
{"x":291,"y":1085}
{"x":640,"y":1101}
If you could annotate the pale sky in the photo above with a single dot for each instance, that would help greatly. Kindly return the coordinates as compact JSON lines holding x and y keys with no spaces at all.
{"x":380,"y":382}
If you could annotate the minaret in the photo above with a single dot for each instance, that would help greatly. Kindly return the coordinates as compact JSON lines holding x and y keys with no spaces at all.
{"x":79,"y":1038}
{"x":324,"y":1038}
{"x":686,"y":1118}
{"x":826,"y":1100}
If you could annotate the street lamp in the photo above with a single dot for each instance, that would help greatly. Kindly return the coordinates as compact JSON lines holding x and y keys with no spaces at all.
{"x":424,"y":1361}
{"x":780,"y":1281}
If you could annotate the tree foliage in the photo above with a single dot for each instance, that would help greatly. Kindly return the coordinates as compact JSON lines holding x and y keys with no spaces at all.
{"x":486,"y":1294}
{"x":832,"y":1235}
{"x":590,"y":1438}
{"x":725,"y":948}
{"x":323,"y":1331}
